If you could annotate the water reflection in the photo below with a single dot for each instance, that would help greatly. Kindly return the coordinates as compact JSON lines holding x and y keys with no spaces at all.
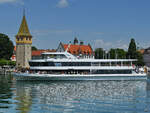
{"x":5,"y":91}
{"x":83,"y":96}
{"x":74,"y":96}
{"x":24,"y":99}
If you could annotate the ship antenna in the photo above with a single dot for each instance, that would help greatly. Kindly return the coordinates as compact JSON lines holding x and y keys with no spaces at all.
{"x":68,"y":46}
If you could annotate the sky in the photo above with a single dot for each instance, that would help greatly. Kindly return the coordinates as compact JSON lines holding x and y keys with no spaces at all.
{"x":102,"y":23}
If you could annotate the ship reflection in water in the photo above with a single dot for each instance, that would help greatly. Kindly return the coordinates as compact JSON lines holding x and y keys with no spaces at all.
{"x":83,"y":96}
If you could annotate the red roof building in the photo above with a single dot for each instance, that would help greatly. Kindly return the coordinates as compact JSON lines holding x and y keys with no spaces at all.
{"x":35,"y":54}
{"x":79,"y":50}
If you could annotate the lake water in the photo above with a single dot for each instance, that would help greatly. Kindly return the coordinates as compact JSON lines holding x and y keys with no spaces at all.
{"x":74,"y":96}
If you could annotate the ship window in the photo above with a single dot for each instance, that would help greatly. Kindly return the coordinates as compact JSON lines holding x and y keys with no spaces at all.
{"x":111,"y":71}
{"x":57,"y":64}
{"x":61,"y":56}
{"x":50,"y":64}
{"x":105,"y":64}
{"x":41,"y":63}
{"x":96,"y":63}
{"x":76,"y":63}
{"x":33,"y":63}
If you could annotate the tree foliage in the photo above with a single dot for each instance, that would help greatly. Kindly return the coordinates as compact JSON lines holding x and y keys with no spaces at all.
{"x":6,"y":47}
{"x":7,"y":62}
{"x":134,"y":54}
{"x":132,"y":50}
{"x":140,"y":61}
{"x":111,"y":54}
{"x":34,"y":48}
{"x":99,"y":53}
{"x":117,"y":53}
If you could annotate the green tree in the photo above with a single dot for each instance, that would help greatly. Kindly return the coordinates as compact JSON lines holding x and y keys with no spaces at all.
{"x":99,"y":53}
{"x":117,"y":53}
{"x":112,"y":53}
{"x":134,"y":54}
{"x":34,"y":48}
{"x":132,"y":50}
{"x":140,"y":61}
{"x":3,"y":62}
{"x":6,"y":47}
{"x":121,"y":53}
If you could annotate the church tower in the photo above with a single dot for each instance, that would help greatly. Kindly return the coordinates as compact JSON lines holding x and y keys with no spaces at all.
{"x":23,"y":45}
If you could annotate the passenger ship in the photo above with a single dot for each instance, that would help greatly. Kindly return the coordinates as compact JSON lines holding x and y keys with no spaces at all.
{"x":65,"y":66}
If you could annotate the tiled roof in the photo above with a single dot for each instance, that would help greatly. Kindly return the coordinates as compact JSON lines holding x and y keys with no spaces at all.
{"x":76,"y":49}
{"x":23,"y":30}
{"x":142,"y":51}
{"x":39,"y":52}
{"x":13,"y":58}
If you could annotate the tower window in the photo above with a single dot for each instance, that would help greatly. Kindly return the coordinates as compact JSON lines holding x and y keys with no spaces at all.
{"x":21,"y":38}
{"x":26,"y":38}
{"x":17,"y":39}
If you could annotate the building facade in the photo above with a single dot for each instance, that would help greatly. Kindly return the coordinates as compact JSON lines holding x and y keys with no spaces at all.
{"x":77,"y":49}
{"x":146,"y":57}
{"x":23,"y":45}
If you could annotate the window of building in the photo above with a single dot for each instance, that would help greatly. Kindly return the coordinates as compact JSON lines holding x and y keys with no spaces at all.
{"x":74,"y":52}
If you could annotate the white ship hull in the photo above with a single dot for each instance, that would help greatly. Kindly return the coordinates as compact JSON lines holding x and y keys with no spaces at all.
{"x":45,"y":77}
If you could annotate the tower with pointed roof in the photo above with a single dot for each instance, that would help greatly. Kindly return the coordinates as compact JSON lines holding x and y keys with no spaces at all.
{"x":23,"y":45}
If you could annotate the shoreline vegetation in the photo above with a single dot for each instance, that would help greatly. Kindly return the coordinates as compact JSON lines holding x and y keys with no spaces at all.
{"x":7,"y":66}
{"x":117,"y":53}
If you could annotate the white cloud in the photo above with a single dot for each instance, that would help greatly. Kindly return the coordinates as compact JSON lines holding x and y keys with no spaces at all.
{"x":144,"y":45}
{"x":107,"y":45}
{"x":7,"y":1}
{"x":63,"y":3}
{"x":11,"y":1}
